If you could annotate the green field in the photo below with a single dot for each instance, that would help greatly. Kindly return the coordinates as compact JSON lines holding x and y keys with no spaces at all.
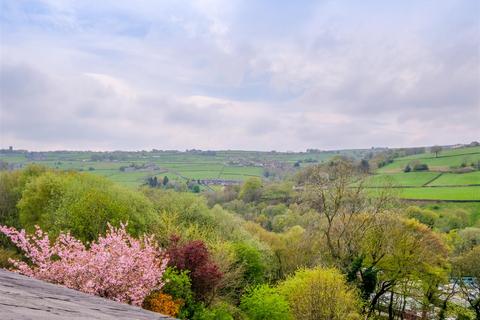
{"x":442,"y":182}
{"x":227,"y":165}
{"x":442,"y":193}
{"x":457,"y":179}
{"x":445,"y":161}
{"x":445,"y":153}
{"x":411,"y":179}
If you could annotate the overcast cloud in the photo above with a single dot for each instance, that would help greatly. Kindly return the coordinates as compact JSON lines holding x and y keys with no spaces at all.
{"x":263,"y":75}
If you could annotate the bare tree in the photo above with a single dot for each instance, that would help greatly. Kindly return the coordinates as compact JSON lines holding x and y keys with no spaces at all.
{"x":338,"y":192}
{"x":436,"y":150}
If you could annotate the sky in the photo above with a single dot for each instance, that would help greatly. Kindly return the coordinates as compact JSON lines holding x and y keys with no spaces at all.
{"x":254,"y":75}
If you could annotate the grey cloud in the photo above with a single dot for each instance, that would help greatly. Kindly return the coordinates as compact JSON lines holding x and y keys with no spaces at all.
{"x":20,"y":81}
{"x":388,"y":83}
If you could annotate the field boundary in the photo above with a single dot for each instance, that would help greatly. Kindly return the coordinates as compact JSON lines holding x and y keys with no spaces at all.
{"x":431,"y":180}
{"x":424,"y":186}
{"x":446,"y":156}
{"x":437,"y":200}
{"x":221,"y":172}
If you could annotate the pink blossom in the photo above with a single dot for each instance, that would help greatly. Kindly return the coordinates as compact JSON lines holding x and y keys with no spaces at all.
{"x":116,"y":266}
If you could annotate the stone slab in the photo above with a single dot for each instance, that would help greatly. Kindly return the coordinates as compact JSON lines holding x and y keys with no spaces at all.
{"x":23,"y":298}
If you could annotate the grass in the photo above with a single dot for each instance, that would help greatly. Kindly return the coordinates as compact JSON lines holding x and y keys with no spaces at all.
{"x":473,"y":209}
{"x":437,"y":184}
{"x":247,"y":171}
{"x":444,"y":162}
{"x":176,"y":165}
{"x":130,"y":179}
{"x":410,"y":179}
{"x":181,"y":165}
{"x":441,"y":193}
{"x":446,"y":153}
{"x":200,"y":174}
{"x":456,"y":179}
{"x":434,"y":164}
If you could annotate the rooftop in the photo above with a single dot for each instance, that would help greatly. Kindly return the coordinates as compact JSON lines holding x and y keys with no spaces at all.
{"x":24,"y":298}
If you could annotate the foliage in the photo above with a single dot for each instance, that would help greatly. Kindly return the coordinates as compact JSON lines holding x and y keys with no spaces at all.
{"x":425,"y":216}
{"x":7,"y":255}
{"x":226,"y":194}
{"x":178,"y":285}
{"x":82,"y":204}
{"x":219,"y":311}
{"x":232,"y":283}
{"x":292,"y":249}
{"x":194,"y":257}
{"x":420,"y":167}
{"x":436,"y":150}
{"x":458,"y":312}
{"x":116,"y":266}
{"x":320,"y":294}
{"x":187,"y":215}
{"x":162,"y":303}
{"x":325,"y":216}
{"x":469,"y":238}
{"x":265,"y":303}
{"x":250,"y":258}
{"x":184,"y":214}
{"x":12,"y":185}
{"x":152,"y":182}
{"x":399,"y":250}
{"x":251,"y":190}
{"x":338,"y":194}
{"x":468,"y":265}
{"x":10,"y":194}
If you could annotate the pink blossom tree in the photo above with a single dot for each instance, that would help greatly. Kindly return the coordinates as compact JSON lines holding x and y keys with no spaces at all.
{"x":116,"y":266}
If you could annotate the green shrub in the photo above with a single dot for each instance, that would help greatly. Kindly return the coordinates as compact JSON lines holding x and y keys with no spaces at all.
{"x":178,"y":285}
{"x":5,"y":255}
{"x":221,"y":311}
{"x":425,"y":216}
{"x":469,"y":238}
{"x":265,"y":303}
{"x":251,"y":190}
{"x":320,"y":294}
{"x":455,"y":218}
{"x":275,"y":210}
{"x":251,"y":260}
{"x":83,"y":204}
{"x":190,"y":207}
{"x":12,"y":184}
{"x":420,"y":167}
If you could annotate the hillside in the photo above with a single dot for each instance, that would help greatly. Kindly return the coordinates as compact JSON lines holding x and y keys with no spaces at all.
{"x":445,"y":162}
{"x":219,"y":244}
{"x":453,"y":175}
{"x":452,"y":170}
{"x":133,"y":168}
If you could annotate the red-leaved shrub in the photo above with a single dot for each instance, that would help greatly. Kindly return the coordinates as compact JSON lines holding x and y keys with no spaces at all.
{"x":194,"y":257}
